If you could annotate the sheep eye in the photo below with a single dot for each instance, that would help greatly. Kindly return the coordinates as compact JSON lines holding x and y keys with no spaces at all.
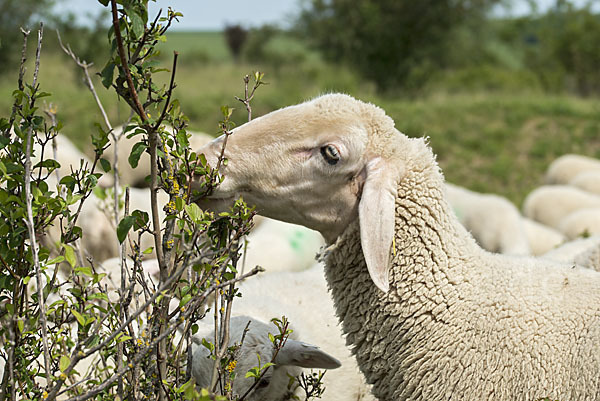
{"x":330,"y":154}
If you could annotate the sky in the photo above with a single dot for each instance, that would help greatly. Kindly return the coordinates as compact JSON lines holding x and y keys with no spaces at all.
{"x":202,"y":14}
{"x":216,"y":14}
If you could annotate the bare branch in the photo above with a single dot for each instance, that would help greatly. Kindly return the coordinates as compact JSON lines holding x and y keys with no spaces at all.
{"x":31,"y":225}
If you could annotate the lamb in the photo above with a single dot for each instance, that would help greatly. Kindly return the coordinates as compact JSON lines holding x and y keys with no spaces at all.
{"x":428,"y":313}
{"x":549,"y":204}
{"x":541,"y":238}
{"x":288,"y":361}
{"x":588,"y":181}
{"x":581,"y":222}
{"x":493,"y":220}
{"x":566,"y":167}
{"x":303,"y":298}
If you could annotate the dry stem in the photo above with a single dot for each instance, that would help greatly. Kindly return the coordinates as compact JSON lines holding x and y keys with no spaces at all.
{"x":31,"y":225}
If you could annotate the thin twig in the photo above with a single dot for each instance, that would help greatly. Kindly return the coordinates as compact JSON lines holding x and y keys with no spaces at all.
{"x":170,"y":329}
{"x":85,"y":66}
{"x":20,"y":81}
{"x":31,"y":225}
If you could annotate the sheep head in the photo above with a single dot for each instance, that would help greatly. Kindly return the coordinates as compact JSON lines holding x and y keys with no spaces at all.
{"x":320,"y":164}
{"x":288,"y":361}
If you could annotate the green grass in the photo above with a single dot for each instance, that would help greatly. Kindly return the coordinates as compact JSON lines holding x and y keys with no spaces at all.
{"x":490,"y":141}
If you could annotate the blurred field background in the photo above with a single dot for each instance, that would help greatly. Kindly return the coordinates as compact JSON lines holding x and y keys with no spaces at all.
{"x":498,"y":96}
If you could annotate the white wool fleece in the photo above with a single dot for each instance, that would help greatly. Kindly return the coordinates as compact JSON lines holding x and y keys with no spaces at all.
{"x":459,"y":323}
{"x":428,"y":314}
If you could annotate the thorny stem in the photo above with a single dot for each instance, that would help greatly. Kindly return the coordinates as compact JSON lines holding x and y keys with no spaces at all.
{"x":31,"y":225}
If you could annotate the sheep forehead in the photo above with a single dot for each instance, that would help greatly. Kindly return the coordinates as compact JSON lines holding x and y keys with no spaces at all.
{"x":326,"y":116}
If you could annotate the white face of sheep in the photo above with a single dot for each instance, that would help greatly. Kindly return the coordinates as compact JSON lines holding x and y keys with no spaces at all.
{"x":273,"y":385}
{"x":317,"y":164}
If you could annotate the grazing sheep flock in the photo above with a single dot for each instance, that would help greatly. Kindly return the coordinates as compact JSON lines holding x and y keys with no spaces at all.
{"x":425,"y":312}
{"x":428,"y":314}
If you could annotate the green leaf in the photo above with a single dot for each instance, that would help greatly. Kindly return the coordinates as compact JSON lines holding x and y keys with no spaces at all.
{"x":104,"y":2}
{"x":136,"y":153}
{"x":194,"y":212}
{"x":56,"y":260}
{"x":105,"y":165}
{"x":107,"y":74}
{"x":20,"y":325}
{"x":124,"y":226}
{"x":85,"y":270}
{"x":79,"y":317}
{"x":137,"y":24}
{"x":70,"y":255}
{"x":64,"y":363}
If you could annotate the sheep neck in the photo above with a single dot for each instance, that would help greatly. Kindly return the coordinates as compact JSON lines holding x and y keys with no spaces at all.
{"x":430,"y":246}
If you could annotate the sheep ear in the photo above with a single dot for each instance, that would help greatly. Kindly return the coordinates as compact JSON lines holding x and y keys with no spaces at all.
{"x":305,"y":355}
{"x":376,"y":212}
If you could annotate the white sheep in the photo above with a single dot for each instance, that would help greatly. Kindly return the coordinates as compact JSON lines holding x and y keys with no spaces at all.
{"x":99,"y":239}
{"x":549,"y":204}
{"x":136,"y":177}
{"x":277,"y":246}
{"x":493,"y":220}
{"x":581,"y":222}
{"x":288,"y":361}
{"x":582,"y":251}
{"x":566,"y":167}
{"x":304,"y":299}
{"x":428,"y":313}
{"x":541,"y":238}
{"x":69,"y":157}
{"x":588,"y":181}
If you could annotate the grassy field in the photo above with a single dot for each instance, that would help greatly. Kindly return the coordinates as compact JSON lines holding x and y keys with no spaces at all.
{"x":491,"y":141}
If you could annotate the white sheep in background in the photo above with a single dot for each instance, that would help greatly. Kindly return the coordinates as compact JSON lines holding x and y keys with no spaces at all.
{"x":428,"y":313}
{"x":582,"y":251}
{"x":581,"y":222}
{"x":566,"y":167}
{"x":588,"y":181}
{"x":304,"y":299}
{"x":273,"y":385}
{"x":136,"y":177}
{"x":276,"y":246}
{"x":541,"y":238}
{"x":493,"y":220}
{"x":69,"y":157}
{"x":99,"y":239}
{"x":549,"y":204}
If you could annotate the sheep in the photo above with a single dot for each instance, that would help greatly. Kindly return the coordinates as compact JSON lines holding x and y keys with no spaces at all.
{"x":69,"y":157}
{"x":549,"y":204}
{"x":99,"y":239}
{"x":303,"y":298}
{"x":493,"y":220}
{"x":582,"y":251}
{"x":581,"y":222}
{"x":541,"y":238}
{"x":588,"y":181}
{"x":564,"y":168}
{"x":428,"y":313}
{"x":136,"y":177}
{"x":276,"y":246}
{"x":273,"y":386}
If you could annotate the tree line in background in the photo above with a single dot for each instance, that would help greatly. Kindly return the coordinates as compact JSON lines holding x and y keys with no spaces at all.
{"x":401,"y":46}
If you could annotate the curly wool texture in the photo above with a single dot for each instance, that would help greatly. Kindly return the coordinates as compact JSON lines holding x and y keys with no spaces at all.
{"x":459,"y":323}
